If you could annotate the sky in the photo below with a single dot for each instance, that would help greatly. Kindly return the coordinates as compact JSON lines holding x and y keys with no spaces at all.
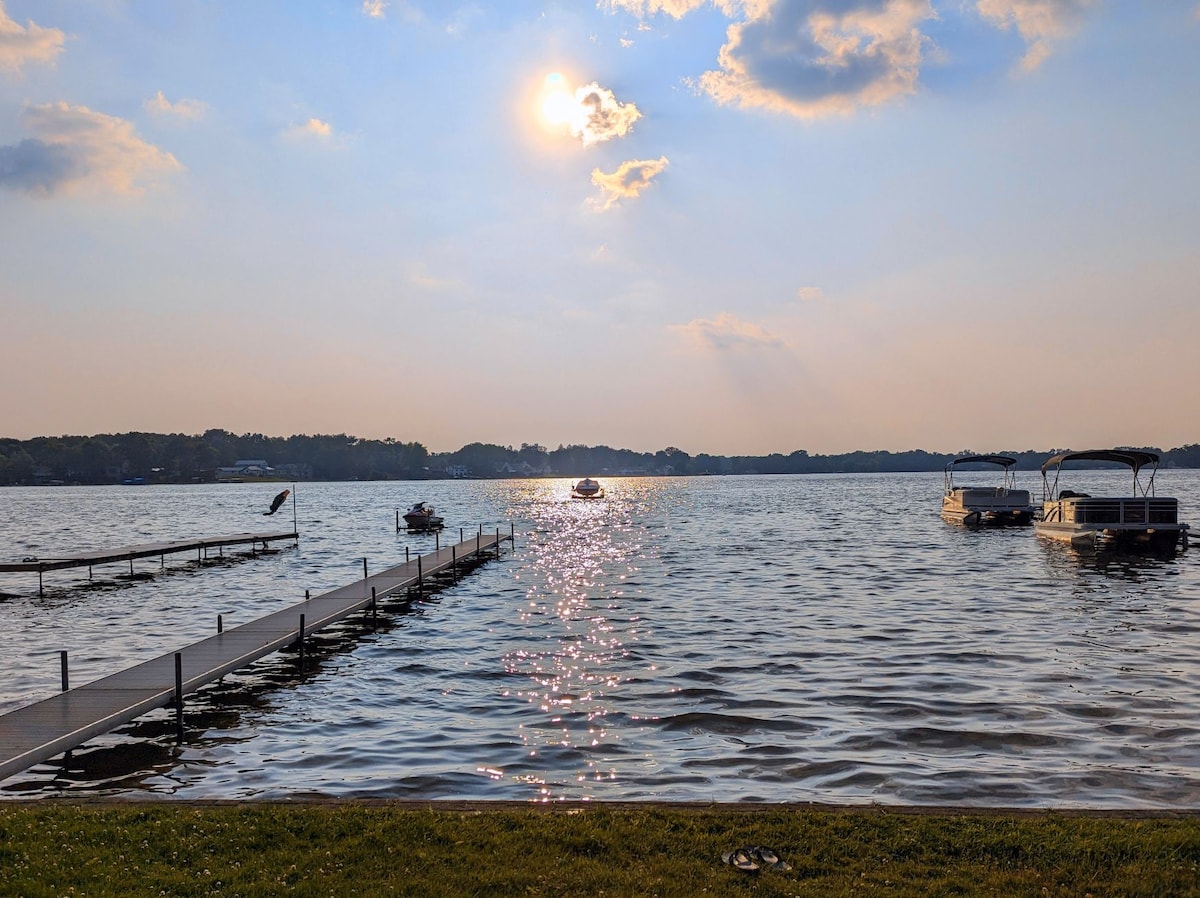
{"x":735,"y":227}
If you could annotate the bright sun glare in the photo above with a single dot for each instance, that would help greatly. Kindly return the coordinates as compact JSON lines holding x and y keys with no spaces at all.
{"x":559,"y":106}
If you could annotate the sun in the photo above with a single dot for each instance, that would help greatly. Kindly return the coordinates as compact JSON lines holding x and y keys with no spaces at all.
{"x":559,"y":108}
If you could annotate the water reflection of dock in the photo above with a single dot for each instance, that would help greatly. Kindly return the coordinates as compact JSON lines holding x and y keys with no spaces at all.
{"x":147,"y":550}
{"x":38,"y":732}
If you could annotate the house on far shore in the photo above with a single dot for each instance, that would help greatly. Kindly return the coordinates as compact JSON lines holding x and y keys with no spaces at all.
{"x":247,"y":469}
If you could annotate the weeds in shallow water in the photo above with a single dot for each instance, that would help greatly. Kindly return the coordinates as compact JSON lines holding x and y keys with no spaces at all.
{"x":620,"y":850}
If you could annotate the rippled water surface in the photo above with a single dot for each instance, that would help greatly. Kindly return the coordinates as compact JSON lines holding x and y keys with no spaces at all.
{"x":818,"y":638}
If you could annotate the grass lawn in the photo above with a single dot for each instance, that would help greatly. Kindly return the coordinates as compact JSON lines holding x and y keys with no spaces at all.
{"x":381,"y":848}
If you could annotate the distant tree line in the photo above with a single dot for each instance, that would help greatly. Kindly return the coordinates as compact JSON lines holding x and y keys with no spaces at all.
{"x":180,"y":458}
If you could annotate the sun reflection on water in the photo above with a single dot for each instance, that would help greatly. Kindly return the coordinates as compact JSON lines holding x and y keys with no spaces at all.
{"x":578,"y":606}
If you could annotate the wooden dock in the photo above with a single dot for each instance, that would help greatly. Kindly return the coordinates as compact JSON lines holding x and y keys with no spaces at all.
{"x":148,"y":550}
{"x":40,"y":731}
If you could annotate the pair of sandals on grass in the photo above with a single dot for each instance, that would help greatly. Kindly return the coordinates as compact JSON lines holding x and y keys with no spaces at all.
{"x":751,"y":860}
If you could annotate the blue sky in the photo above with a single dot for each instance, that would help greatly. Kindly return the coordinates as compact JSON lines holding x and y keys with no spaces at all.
{"x":739,"y":227}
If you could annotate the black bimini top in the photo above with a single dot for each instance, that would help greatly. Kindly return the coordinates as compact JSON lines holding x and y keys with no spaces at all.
{"x":1003,"y":460}
{"x":1135,"y":458}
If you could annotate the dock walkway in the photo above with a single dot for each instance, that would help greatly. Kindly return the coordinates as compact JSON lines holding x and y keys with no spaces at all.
{"x":40,"y":731}
{"x":146,"y":550}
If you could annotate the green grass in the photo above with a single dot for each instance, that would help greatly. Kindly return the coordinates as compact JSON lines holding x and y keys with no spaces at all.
{"x":256,"y":849}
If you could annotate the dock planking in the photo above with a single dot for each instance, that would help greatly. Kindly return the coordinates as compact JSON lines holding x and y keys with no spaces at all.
{"x":40,"y":731}
{"x":145,"y":550}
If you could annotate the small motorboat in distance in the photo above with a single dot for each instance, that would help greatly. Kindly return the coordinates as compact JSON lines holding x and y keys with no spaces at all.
{"x":986,"y":505}
{"x":587,"y":489}
{"x":1142,"y":520}
{"x":421,"y":517}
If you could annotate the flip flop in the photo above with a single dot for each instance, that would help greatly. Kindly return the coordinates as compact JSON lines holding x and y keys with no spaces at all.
{"x":770,"y":858}
{"x":740,"y":859}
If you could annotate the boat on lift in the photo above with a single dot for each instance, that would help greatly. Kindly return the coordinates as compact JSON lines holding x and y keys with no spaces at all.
{"x":1140,"y":521}
{"x":587,"y":489}
{"x":975,"y":506}
{"x":422,"y":517}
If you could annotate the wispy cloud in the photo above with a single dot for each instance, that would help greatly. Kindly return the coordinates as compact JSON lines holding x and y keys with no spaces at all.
{"x":628,"y":181}
{"x":313,"y":129}
{"x":810,"y":294}
{"x":188,"y":110}
{"x":76,"y":148}
{"x":676,"y":9}
{"x":374,"y":9}
{"x":727,"y":333}
{"x":31,"y":43}
{"x":590,"y":114}
{"x":1039,"y":22}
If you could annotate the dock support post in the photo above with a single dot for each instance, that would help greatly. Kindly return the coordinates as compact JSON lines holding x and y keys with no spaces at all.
{"x":131,"y":565}
{"x":301,"y":641}
{"x":40,"y":579}
{"x":478,"y":537}
{"x":306,"y":595}
{"x":397,"y":520}
{"x":179,"y":696}
{"x":62,"y":660}
{"x":437,"y":541}
{"x":460,"y":534}
{"x":220,"y":624}
{"x":374,"y":611}
{"x":497,"y":542}
{"x":418,"y":575}
{"x":454,"y":564}
{"x":364,"y":569}
{"x":406,"y":554}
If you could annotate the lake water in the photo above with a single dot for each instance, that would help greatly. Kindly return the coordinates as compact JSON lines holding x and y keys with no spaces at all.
{"x":802,"y":638}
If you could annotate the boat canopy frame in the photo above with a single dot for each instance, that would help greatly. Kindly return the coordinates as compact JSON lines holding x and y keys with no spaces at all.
{"x":1135,"y":459}
{"x":1004,"y":461}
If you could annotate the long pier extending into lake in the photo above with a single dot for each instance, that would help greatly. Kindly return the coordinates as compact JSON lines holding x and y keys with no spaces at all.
{"x":40,"y":731}
{"x":146,"y":550}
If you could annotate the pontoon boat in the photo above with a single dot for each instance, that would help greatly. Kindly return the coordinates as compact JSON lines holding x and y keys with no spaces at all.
{"x":1142,"y":520}
{"x":990,"y":505}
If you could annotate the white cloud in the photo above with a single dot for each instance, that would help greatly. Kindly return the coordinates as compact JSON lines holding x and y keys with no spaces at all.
{"x":1039,"y":22}
{"x":189,"y":110}
{"x":727,"y":333}
{"x":677,"y":9}
{"x":31,"y":43}
{"x":628,"y":181}
{"x":813,"y":58}
{"x":591,"y":113}
{"x":75,"y":148}
{"x":374,"y":9}
{"x":810,"y":294}
{"x":313,"y":129}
